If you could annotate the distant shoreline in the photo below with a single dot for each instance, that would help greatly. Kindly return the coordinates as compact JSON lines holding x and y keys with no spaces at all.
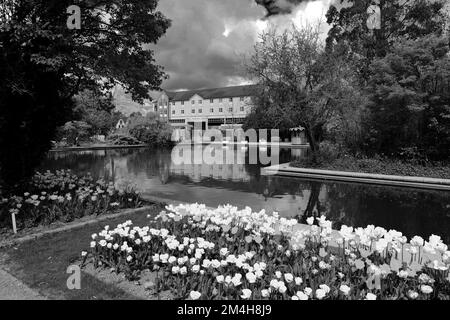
{"x":98,"y":147}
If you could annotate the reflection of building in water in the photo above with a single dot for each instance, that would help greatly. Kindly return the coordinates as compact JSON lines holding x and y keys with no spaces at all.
{"x":216,"y":162}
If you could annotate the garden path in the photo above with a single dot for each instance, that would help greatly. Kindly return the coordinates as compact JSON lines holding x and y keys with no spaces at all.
{"x":12,"y":288}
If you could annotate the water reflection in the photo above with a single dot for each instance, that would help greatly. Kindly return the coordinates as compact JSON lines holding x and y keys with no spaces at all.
{"x":412,"y":211}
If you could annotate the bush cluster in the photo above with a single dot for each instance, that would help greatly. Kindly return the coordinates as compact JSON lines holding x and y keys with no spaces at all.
{"x":123,"y":140}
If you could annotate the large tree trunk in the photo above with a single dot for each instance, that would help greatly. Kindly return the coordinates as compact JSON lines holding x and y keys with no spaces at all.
{"x":313,"y":144}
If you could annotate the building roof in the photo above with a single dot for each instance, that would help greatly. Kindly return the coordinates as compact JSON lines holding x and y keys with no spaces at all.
{"x":216,"y":93}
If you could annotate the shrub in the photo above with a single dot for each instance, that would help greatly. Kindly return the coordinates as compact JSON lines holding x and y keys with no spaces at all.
{"x":155,"y":134}
{"x":123,"y":140}
{"x":150,"y":129}
{"x":327,"y":153}
{"x":74,"y":132}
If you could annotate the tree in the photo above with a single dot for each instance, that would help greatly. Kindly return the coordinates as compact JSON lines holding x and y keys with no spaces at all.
{"x":97,"y":110}
{"x":298,"y":83}
{"x":43,"y":65}
{"x":74,"y":132}
{"x":410,"y":99}
{"x":399,"y":19}
{"x":150,"y":130}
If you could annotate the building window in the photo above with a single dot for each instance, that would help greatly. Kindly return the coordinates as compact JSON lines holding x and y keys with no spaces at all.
{"x":182,"y":103}
{"x":220,"y":110}
{"x":230,"y":109}
{"x":200,"y":101}
{"x":173,"y":111}
{"x":182,"y":111}
{"x":242,"y":109}
{"x":231,"y":99}
{"x":212,"y":100}
{"x":211,"y":110}
{"x":242,"y":99}
{"x":193,"y":102}
{"x":200,"y":110}
{"x":193,"y":111}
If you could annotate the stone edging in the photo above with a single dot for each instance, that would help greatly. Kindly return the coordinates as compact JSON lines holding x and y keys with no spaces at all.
{"x":405,"y":181}
{"x":70,"y":226}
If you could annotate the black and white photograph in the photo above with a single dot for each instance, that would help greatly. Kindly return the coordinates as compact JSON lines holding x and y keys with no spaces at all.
{"x":225,"y":158}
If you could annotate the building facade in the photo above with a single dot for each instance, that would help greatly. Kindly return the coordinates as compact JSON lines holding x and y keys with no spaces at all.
{"x":211,"y":107}
{"x":161,"y":106}
{"x":217,"y":108}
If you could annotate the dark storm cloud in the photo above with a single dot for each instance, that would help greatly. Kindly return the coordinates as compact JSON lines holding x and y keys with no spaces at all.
{"x":275,"y":7}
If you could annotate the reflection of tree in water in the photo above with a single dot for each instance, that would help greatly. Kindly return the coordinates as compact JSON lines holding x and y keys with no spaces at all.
{"x":411,"y":211}
{"x":314,"y":208}
{"x":154,"y":162}
{"x":81,"y":163}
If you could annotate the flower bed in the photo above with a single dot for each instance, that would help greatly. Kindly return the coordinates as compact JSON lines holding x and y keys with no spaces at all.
{"x":226,"y":253}
{"x":64,"y":196}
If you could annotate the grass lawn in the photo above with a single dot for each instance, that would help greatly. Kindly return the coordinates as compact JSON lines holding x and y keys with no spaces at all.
{"x":41,"y":264}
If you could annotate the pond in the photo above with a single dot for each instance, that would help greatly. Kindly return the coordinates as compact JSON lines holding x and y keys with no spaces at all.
{"x":411,"y":211}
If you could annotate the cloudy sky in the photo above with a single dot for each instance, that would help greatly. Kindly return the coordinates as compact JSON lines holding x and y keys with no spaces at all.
{"x":208,"y":38}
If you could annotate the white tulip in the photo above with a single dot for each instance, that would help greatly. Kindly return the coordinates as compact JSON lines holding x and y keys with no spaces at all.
{"x":195,"y":295}
{"x":246,"y":294}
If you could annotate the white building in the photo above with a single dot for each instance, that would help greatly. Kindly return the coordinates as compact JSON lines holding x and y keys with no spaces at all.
{"x":211,"y":107}
{"x":206,"y":108}
{"x":120,"y":124}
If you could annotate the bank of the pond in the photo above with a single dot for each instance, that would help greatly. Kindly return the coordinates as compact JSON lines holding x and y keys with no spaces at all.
{"x":99,"y":147}
{"x":291,"y":170}
{"x":379,"y":166}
